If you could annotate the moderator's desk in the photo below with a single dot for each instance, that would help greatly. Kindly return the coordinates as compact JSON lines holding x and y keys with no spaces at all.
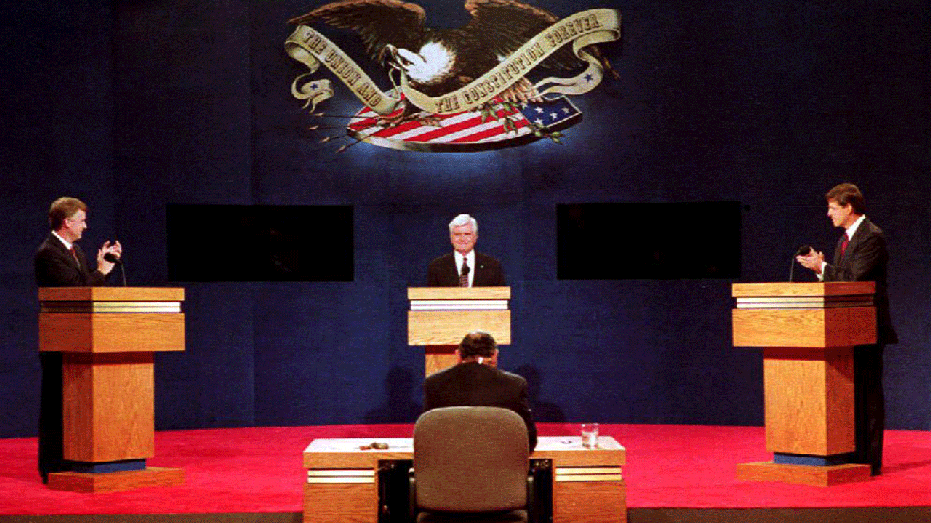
{"x":342,"y":483}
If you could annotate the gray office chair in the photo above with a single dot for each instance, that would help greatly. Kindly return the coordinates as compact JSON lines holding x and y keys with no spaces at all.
{"x":471,"y":464}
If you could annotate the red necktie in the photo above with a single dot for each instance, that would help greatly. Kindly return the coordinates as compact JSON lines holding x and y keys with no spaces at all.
{"x":464,"y":276}
{"x":74,"y":254}
{"x":843,"y":245}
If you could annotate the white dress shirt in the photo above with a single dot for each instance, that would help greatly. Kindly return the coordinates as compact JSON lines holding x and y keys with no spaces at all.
{"x":470,"y":261}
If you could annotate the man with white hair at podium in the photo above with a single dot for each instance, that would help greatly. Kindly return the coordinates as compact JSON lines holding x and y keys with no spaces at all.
{"x":464,"y":267}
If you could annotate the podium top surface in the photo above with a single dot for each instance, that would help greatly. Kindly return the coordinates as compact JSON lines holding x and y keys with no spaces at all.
{"x":564,"y":450}
{"x":111,"y":294}
{"x":791,"y":290}
{"x":459,"y":293}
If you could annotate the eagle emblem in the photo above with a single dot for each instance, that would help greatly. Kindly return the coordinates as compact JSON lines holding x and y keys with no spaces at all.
{"x":460,"y":89}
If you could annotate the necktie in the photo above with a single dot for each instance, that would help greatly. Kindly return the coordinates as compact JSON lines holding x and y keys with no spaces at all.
{"x":843,"y":245}
{"x":74,"y":255}
{"x":464,"y":275}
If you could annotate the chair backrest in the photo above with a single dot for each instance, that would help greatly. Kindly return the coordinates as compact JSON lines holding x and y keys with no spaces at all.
{"x":471,"y":459}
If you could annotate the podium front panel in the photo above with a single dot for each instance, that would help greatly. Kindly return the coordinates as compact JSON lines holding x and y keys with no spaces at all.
{"x":835,"y":327}
{"x":809,"y":406}
{"x":111,"y":332}
{"x":108,"y":407}
{"x":111,"y":319}
{"x":449,"y":327}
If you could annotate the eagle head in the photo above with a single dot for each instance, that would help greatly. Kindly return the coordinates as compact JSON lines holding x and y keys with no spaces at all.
{"x":432,"y":64}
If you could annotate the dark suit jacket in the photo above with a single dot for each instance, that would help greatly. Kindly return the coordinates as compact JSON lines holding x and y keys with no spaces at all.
{"x":478,"y":385}
{"x":866,"y":259}
{"x":56,"y":267}
{"x":488,"y":273}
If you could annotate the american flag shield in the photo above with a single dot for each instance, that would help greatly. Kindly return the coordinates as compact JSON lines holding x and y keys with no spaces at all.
{"x":501,"y":125}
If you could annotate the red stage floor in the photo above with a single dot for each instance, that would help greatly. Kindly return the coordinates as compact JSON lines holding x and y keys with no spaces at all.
{"x":258,"y":470}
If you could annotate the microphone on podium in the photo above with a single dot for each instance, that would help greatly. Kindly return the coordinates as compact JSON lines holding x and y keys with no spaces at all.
{"x":802,"y":251}
{"x":118,"y":260}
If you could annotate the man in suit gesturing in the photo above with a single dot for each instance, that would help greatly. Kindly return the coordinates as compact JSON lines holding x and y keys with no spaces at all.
{"x":464,"y":267}
{"x":60,"y":262}
{"x":861,"y":255}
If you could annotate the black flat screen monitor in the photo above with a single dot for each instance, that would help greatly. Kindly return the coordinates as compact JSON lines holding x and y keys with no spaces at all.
{"x":260,"y":243}
{"x":620,"y":241}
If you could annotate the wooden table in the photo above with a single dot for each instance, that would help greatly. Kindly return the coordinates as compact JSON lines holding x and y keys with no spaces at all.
{"x":342,"y":480}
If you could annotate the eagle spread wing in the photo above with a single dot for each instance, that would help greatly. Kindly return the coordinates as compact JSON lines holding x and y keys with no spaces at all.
{"x":504,"y":26}
{"x":439,"y":61}
{"x":378,"y":22}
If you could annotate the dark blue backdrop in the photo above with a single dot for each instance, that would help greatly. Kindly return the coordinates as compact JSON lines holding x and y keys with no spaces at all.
{"x":131,"y":105}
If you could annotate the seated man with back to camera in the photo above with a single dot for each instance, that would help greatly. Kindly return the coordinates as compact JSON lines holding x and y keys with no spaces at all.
{"x":476,"y":381}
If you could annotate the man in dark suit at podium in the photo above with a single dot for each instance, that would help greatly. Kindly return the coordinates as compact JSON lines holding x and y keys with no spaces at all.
{"x":476,"y":381}
{"x":60,"y":262}
{"x":464,"y":267}
{"x":861,"y":255}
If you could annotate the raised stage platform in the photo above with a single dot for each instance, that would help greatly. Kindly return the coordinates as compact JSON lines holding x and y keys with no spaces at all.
{"x":673,"y":473}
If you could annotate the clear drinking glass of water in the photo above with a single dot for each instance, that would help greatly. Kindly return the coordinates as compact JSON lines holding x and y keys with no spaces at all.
{"x":589,"y":435}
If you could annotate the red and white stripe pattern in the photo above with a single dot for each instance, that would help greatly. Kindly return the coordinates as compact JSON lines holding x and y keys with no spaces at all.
{"x":448,"y":132}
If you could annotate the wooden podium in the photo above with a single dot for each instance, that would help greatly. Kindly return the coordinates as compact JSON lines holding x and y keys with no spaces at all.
{"x":107,"y":337}
{"x":441,"y":316}
{"x":808,"y":332}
